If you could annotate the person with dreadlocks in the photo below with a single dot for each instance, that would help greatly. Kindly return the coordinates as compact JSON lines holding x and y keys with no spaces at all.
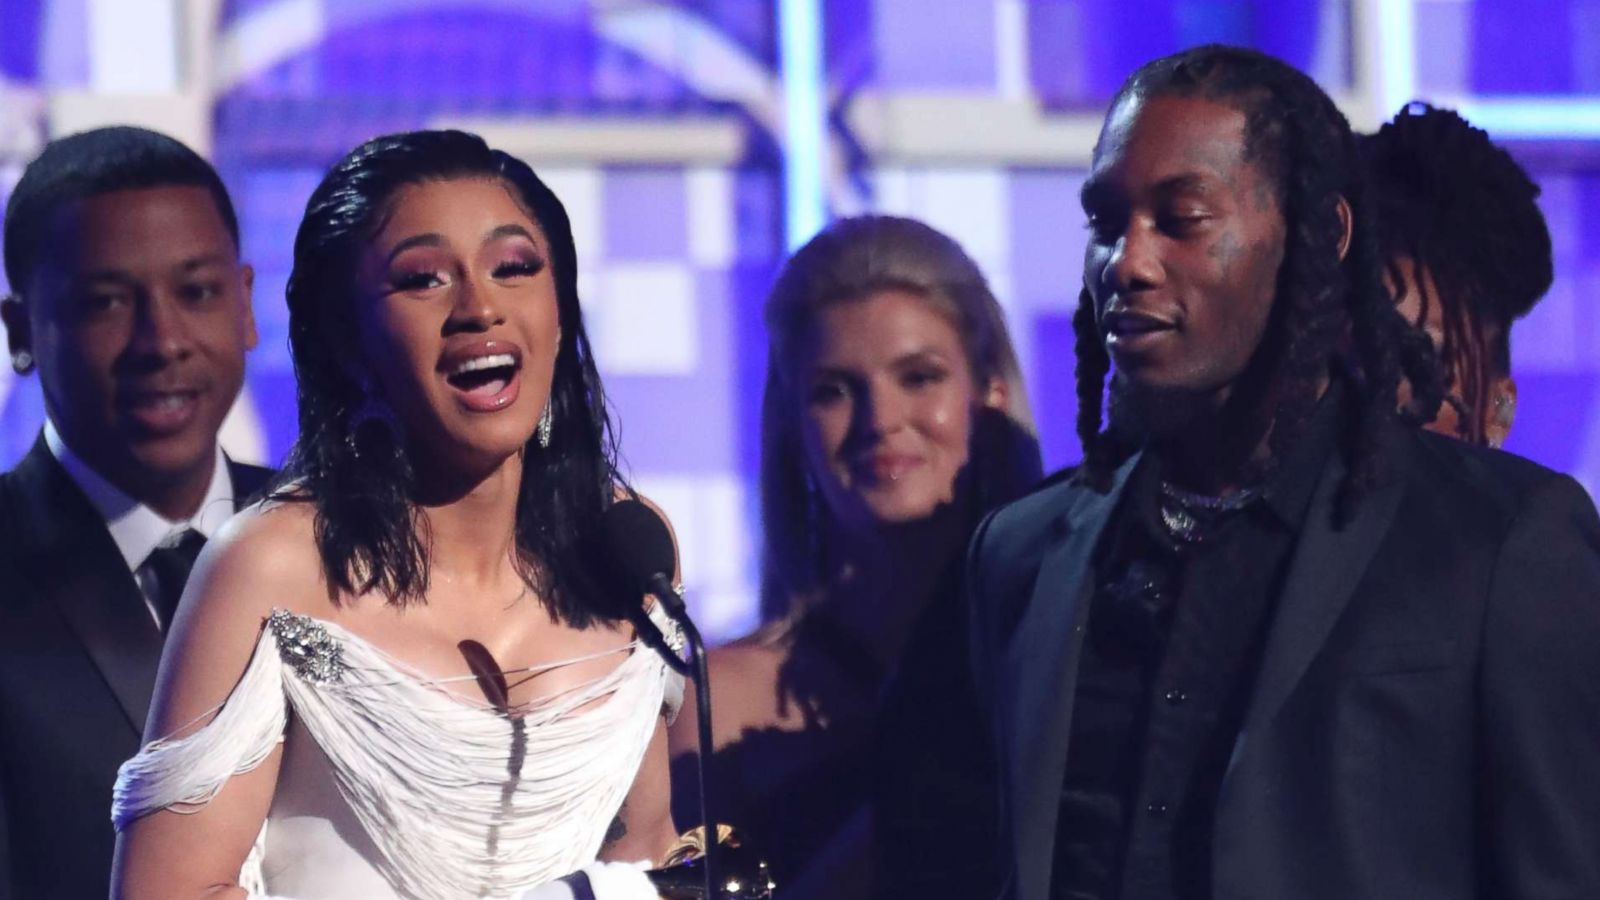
{"x":1467,"y":253}
{"x":1270,"y":639}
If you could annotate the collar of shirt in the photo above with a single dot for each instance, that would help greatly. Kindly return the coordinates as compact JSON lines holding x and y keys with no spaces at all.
{"x":137,"y":529}
{"x":1286,"y":493}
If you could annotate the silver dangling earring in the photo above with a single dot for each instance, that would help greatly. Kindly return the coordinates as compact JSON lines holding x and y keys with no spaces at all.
{"x":373,"y":411}
{"x":22,"y":362}
{"x":543,"y":431}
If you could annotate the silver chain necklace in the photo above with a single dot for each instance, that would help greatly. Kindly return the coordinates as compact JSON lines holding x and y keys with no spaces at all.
{"x":1189,"y":517}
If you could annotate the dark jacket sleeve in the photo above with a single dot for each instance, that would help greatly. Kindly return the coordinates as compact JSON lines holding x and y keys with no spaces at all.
{"x":1540,"y":680}
{"x":8,"y":581}
{"x":978,"y":627}
{"x":5,"y":842}
{"x":934,"y":788}
{"x":980,"y":607}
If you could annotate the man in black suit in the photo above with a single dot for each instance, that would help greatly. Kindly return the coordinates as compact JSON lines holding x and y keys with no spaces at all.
{"x":122,"y":251}
{"x":1270,"y":641}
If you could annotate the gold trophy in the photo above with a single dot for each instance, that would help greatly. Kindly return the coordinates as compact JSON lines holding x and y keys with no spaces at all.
{"x":742,"y":875}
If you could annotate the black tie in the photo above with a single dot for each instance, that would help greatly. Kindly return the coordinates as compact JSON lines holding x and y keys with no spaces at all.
{"x":169,"y":566}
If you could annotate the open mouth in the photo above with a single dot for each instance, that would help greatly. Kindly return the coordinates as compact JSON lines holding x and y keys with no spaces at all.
{"x":485,"y":375}
{"x":160,"y":413}
{"x":485,"y":381}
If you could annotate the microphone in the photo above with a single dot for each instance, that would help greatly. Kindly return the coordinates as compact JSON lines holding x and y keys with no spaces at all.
{"x":638,"y":553}
{"x":640,"y":546}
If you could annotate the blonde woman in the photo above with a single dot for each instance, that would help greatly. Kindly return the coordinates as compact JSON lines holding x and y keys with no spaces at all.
{"x":894,"y":417}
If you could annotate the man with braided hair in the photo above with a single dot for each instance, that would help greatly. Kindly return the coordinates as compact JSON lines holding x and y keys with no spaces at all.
{"x":1270,"y":639}
{"x":1467,"y":253}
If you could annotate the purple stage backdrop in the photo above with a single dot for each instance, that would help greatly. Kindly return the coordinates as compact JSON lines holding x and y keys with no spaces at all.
{"x":941,"y":109}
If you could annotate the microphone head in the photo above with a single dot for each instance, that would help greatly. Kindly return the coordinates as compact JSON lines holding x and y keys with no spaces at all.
{"x":636,"y":544}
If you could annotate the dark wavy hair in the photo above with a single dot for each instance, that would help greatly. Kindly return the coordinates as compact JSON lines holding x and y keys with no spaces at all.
{"x":368,"y":529}
{"x":846,"y":262}
{"x":1329,"y":313}
{"x":1465,"y":212}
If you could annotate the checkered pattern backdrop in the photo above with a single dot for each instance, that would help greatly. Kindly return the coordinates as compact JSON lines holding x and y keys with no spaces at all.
{"x":676,"y":255}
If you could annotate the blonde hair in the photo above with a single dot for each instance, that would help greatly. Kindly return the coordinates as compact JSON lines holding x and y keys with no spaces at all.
{"x":847,"y":262}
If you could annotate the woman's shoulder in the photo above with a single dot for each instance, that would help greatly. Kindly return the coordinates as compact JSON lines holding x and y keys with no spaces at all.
{"x":749,"y":666}
{"x":265,"y":557}
{"x":766,"y":646}
{"x":744,"y":687}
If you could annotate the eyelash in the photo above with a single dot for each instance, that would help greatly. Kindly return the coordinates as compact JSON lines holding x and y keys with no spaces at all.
{"x":416,"y":281}
{"x":825,"y":393}
{"x":200,"y":292}
{"x":104,"y":301}
{"x":519,"y":268}
{"x":98,"y":303}
{"x":1182,"y":222}
{"x":1102,"y":228}
{"x":828,"y":392}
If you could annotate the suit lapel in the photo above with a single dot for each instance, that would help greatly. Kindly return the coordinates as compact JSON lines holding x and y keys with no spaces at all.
{"x":248,"y":481}
{"x":1327,"y":566}
{"x":1041,"y":668}
{"x":76,"y":568}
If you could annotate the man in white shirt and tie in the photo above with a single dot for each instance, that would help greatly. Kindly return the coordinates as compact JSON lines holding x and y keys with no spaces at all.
{"x":131,"y":303}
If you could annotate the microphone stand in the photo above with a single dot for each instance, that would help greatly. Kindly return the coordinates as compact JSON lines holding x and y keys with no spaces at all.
{"x":672,"y":601}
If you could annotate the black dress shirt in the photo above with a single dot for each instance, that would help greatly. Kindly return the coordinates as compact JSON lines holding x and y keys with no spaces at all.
{"x":1174,"y":642}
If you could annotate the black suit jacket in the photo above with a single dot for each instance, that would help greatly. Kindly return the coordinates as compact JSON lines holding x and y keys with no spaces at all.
{"x":1426,"y":722}
{"x":78,"y":655}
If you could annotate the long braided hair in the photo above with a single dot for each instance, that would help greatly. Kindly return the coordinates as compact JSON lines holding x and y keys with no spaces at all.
{"x":1466,"y":214}
{"x":1329,"y":312}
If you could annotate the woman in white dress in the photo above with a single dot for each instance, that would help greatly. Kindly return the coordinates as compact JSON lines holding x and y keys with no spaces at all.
{"x":396,"y":678}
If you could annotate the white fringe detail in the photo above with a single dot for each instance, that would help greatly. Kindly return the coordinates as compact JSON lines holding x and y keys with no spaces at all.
{"x":427,"y":771}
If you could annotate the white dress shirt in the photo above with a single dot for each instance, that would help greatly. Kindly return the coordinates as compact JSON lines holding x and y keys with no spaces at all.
{"x":135,"y":528}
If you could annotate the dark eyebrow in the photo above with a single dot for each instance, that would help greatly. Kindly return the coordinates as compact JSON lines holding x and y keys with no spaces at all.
{"x":1093,"y":192}
{"x":831,"y":371}
{"x":1188,"y":182}
{"x":200,"y":262}
{"x":1096,"y":192}
{"x":919,"y":355}
{"x":512,"y":230}
{"x":116,"y":275}
{"x":428,"y":239}
{"x":188,"y":266}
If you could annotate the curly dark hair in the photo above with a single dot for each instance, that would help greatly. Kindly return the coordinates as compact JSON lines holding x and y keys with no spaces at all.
{"x":1329,"y":313}
{"x":361,"y":481}
{"x":1466,"y":213}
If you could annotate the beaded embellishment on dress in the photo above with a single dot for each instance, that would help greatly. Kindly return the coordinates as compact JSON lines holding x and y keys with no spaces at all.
{"x":672,"y":632}
{"x":306,"y":647}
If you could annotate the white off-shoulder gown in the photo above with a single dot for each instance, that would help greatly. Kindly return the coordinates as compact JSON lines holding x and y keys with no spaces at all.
{"x":393,"y":785}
